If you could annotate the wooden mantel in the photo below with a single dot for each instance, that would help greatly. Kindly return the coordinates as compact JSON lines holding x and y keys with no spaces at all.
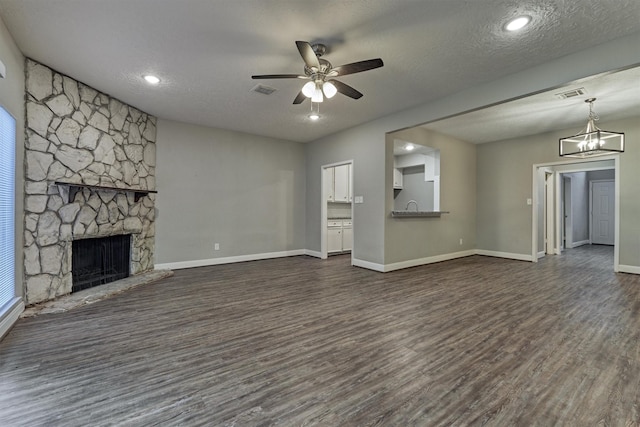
{"x":74,"y":188}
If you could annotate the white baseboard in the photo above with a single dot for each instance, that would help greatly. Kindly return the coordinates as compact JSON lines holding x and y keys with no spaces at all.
{"x":384,"y":268}
{"x":580,"y":243}
{"x":227,"y":260}
{"x":427,"y":260}
{"x":509,"y":255}
{"x":541,"y":254}
{"x":368,"y":265}
{"x":315,"y":254}
{"x":632,"y":269}
{"x":17,"y":307}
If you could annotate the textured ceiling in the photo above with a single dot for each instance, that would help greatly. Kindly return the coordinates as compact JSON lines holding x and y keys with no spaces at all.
{"x":205,"y":51}
{"x":617,"y":97}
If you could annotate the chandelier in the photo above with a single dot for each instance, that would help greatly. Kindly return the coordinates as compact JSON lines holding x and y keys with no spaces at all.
{"x":593,"y":141}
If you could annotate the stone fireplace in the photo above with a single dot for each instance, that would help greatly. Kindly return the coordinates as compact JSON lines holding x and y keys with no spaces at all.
{"x":89,"y":172}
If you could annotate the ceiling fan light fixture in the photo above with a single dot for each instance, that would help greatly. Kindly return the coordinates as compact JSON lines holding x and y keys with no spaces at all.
{"x":593,"y":141}
{"x":317,"y":70}
{"x":329,"y":89}
{"x":314,"y":115}
{"x":317,"y":95}
{"x":309,"y":89}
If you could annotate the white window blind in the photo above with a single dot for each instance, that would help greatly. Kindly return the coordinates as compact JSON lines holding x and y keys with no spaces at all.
{"x":7,"y":206}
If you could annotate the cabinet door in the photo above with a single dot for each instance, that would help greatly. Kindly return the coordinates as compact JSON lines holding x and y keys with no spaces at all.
{"x":347,"y":239}
{"x":397,"y":178}
{"x":327,"y":177}
{"x":334,"y":240}
{"x":341,"y":183}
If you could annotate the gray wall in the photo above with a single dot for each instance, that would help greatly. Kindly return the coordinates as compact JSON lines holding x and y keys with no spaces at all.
{"x":368,"y":181}
{"x":504,"y":184}
{"x":12,"y":99}
{"x":415,"y":238}
{"x":366,"y":145}
{"x":579,"y":206}
{"x":604,"y":174}
{"x":414,"y":187}
{"x":505,"y":181}
{"x":242,"y":191}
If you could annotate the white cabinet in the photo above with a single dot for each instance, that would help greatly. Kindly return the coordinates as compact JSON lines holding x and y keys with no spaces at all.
{"x":334,"y":235}
{"x":327,"y":182}
{"x":339,"y":235}
{"x":334,"y":240}
{"x":337,"y":184}
{"x":397,"y":178}
{"x":341,"y":184}
{"x":347,"y":235}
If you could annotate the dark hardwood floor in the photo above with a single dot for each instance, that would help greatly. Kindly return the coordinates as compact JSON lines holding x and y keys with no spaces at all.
{"x":301,"y":341}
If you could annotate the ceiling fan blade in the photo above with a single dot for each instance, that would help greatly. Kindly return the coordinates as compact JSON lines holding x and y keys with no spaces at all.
{"x":301,"y":97}
{"x":357,"y":67}
{"x":279,"y":76}
{"x":308,"y":55}
{"x":347,"y":90}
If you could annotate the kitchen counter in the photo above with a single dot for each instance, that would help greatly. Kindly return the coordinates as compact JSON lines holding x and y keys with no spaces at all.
{"x":339,"y":217}
{"x":417,"y":214}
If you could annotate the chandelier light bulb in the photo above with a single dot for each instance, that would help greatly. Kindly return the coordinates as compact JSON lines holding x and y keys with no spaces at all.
{"x":329,"y":89}
{"x":308,"y":89}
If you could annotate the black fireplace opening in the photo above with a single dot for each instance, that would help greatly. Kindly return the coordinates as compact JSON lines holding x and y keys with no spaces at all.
{"x":98,"y":261}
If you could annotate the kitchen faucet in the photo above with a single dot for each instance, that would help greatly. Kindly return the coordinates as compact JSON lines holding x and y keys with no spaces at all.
{"x":412,"y":201}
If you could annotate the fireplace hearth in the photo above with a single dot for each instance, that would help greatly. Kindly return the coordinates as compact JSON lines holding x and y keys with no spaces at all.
{"x":98,"y":261}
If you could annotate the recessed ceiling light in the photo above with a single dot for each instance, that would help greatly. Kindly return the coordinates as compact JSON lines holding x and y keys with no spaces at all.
{"x":518,"y":23}
{"x":409,"y":147}
{"x":153,"y":80}
{"x":314,"y":116}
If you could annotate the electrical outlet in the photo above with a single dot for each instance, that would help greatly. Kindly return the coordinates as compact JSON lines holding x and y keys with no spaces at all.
{"x":461,"y":241}
{"x":216,"y":246}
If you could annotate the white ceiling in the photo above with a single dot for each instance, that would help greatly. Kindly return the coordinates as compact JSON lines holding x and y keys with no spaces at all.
{"x":205,"y":51}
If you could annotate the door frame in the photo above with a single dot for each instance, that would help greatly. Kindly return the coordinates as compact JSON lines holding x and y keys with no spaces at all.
{"x":549,"y":223}
{"x":567,"y":212}
{"x":561,"y":167}
{"x":323,"y":209}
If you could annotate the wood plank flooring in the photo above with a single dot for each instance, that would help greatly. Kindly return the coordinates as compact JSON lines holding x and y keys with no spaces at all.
{"x":301,"y":341}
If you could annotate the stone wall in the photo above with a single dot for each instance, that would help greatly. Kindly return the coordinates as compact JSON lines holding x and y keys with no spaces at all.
{"x":78,"y":135}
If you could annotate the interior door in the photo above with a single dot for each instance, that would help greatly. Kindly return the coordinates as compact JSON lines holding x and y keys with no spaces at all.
{"x":602,"y":212}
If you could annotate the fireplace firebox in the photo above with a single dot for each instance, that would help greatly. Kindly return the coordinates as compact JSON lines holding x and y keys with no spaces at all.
{"x":98,"y":261}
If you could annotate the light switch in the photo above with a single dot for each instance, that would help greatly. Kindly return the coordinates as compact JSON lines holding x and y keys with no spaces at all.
{"x":358,"y":199}
{"x":529,"y":202}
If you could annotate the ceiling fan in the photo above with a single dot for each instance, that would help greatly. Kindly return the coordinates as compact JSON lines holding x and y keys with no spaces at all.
{"x":321,"y":73}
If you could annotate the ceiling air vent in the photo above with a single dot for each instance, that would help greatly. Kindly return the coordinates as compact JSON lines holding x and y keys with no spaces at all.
{"x":265,"y":90}
{"x":572,"y":93}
